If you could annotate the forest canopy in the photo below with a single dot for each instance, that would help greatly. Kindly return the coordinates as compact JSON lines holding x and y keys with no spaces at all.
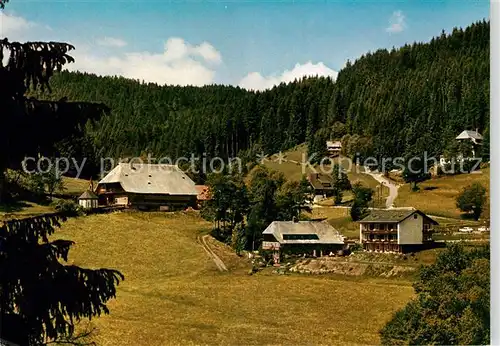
{"x":398,"y":102}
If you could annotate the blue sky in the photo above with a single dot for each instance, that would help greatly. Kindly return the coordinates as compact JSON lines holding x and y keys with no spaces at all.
{"x":250,"y":43}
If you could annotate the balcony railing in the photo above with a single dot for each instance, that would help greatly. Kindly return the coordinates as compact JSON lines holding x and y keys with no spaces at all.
{"x":379,"y":231}
{"x":389,"y":241}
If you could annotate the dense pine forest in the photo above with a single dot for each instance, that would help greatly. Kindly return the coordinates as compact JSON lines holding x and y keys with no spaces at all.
{"x":386,"y":103}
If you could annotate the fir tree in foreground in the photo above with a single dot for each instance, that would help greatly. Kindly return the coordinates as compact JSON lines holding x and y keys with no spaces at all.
{"x":41,"y":298}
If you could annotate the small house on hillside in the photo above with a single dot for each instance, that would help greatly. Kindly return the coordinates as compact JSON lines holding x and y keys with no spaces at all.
{"x":316,"y":238}
{"x":475,"y":140}
{"x":88,"y":200}
{"x":321,"y":183}
{"x":396,"y":230}
{"x":471,"y":136}
{"x":147,"y":186}
{"x":334,"y":147}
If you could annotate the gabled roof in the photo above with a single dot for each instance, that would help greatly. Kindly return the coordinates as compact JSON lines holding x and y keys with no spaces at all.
{"x":151,"y":179}
{"x":325,"y":233}
{"x":88,"y":195}
{"x":392,"y":215}
{"x":467,"y":134}
{"x":320,"y":181}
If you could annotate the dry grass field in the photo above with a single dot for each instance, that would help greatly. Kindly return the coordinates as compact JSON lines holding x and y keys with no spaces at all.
{"x":437,"y":195}
{"x":173,"y":293}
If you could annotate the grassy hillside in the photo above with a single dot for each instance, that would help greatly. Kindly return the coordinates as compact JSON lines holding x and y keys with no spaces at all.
{"x":437,"y":195}
{"x":173,"y":294}
{"x":293,"y":166}
{"x":73,"y":188}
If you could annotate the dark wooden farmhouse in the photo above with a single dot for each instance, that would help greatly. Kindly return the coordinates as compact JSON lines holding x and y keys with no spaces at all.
{"x":321,"y":183}
{"x":147,"y":186}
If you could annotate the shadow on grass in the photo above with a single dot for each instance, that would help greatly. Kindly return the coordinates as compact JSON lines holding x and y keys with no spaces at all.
{"x":430,"y":188}
{"x":467,"y":216}
{"x":13,"y":207}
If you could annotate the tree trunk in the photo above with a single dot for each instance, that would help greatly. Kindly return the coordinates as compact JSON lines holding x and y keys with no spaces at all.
{"x":2,"y":186}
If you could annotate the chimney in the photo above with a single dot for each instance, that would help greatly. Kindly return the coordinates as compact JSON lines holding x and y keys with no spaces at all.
{"x":294,"y":219}
{"x":91,"y":185}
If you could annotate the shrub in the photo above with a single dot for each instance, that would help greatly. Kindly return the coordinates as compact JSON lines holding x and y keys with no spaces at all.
{"x":472,"y":199}
{"x":356,"y":247}
{"x":69,"y":208}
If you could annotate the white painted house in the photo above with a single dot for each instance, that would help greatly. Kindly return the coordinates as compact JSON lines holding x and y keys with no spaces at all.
{"x":395,"y":230}
{"x":472,"y":136}
{"x":88,"y":200}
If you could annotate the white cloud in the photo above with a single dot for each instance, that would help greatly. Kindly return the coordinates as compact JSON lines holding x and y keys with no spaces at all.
{"x":111,"y":42}
{"x":14,"y":27}
{"x":176,"y":48}
{"x":179,"y":64}
{"x":255,"y":81}
{"x":396,"y":22}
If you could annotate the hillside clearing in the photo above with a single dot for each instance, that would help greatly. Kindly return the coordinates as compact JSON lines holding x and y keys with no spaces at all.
{"x":437,"y":196}
{"x":173,"y":292}
{"x":73,"y":188}
{"x":293,"y":166}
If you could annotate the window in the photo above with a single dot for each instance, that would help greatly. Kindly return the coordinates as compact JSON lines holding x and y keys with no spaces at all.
{"x":415,"y":216}
{"x":300,"y":237}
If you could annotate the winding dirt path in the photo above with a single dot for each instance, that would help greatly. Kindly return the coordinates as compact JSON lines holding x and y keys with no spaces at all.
{"x":393,"y":188}
{"x":218,"y":262}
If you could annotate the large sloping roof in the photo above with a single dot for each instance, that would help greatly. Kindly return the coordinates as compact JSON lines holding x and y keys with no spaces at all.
{"x":325,"y":233}
{"x":151,"y":179}
{"x":467,"y":134}
{"x":392,"y":215}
